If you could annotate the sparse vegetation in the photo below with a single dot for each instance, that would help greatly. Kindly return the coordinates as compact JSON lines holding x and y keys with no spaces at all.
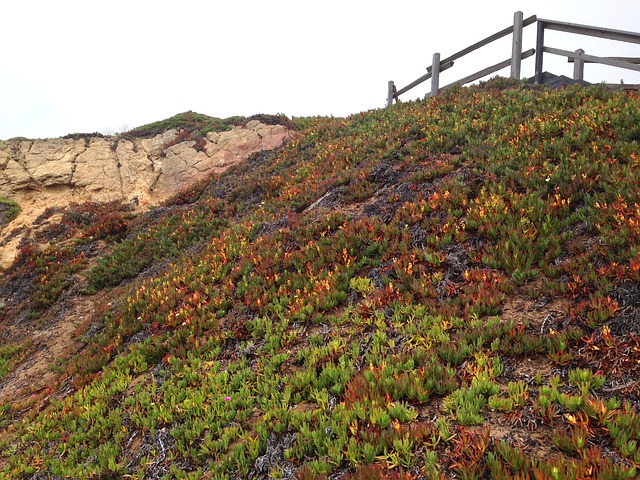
{"x":199,"y":124}
{"x":446,"y":288}
{"x":9,"y":210}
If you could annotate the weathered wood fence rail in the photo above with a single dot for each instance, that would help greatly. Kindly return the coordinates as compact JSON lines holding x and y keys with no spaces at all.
{"x":579,"y":57}
{"x":517,"y":55}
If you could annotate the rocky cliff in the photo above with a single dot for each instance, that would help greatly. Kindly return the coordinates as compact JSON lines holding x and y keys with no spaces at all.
{"x":56,"y":172}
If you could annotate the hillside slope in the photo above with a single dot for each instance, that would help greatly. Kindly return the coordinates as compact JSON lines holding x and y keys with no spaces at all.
{"x":447,"y":288}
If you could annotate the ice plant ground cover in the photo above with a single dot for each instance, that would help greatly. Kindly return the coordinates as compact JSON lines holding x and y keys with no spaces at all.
{"x":447,"y":288}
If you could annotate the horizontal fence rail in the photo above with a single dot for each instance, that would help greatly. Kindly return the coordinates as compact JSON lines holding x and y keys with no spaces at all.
{"x":495,"y":36}
{"x":579,"y":57}
{"x":489,"y":70}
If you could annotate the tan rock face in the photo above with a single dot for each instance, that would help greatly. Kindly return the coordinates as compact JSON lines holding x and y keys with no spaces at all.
{"x":55,"y":172}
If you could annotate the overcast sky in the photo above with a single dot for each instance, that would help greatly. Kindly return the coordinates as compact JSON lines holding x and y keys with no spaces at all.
{"x":85,"y":66}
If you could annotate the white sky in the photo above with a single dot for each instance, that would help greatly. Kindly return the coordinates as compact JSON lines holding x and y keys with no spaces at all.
{"x":83,"y":66}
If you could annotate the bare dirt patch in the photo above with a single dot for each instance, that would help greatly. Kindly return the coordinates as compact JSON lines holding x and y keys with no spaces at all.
{"x":50,"y":343}
{"x":540,"y":315}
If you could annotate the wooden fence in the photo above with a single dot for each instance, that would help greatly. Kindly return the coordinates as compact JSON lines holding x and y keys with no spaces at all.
{"x":579,"y":57}
{"x":517,"y":55}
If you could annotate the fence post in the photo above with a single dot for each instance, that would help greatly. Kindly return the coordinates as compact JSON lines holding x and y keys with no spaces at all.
{"x":578,"y":66}
{"x":390,"y":91}
{"x":435,"y":74}
{"x":539,"y":52}
{"x":516,"y":49}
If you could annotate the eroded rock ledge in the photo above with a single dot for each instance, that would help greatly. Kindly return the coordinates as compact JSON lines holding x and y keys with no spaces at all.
{"x":55,"y":172}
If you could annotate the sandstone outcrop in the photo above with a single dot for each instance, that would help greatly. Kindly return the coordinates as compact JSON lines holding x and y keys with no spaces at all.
{"x":55,"y":172}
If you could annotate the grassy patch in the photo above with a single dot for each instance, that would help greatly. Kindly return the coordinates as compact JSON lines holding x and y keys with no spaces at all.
{"x":9,"y":210}
{"x":8,"y":356}
{"x":202,"y":124}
